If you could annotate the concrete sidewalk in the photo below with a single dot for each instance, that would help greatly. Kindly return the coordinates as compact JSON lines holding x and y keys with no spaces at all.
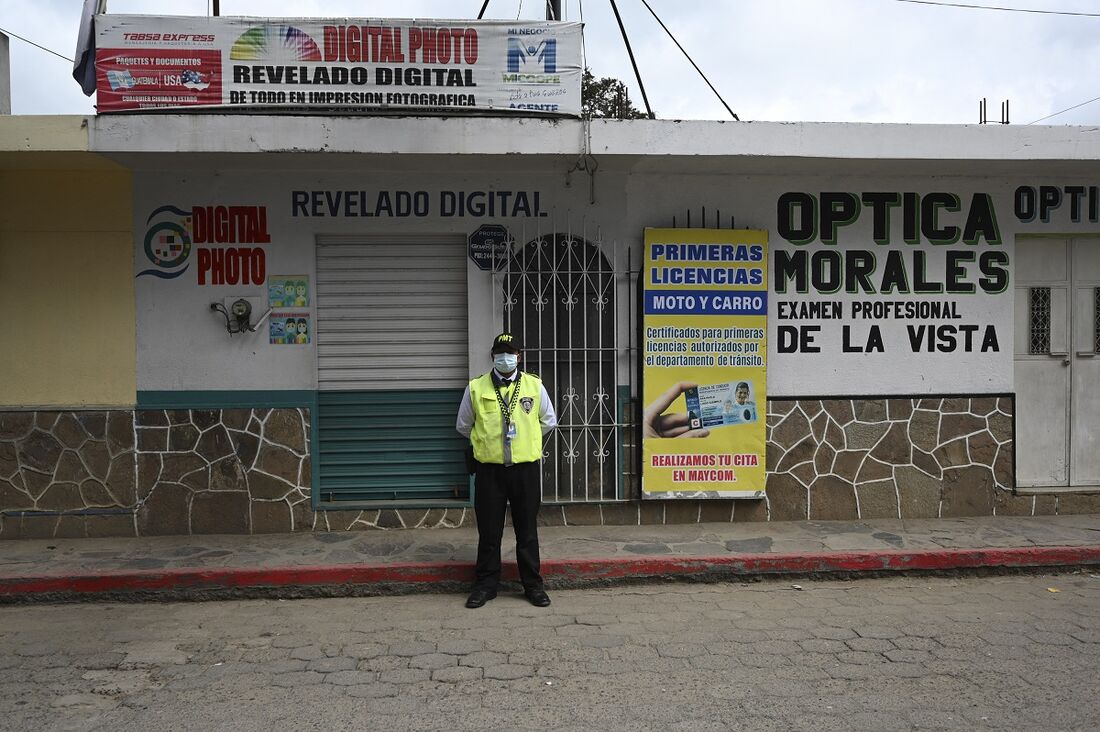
{"x":441,"y":560}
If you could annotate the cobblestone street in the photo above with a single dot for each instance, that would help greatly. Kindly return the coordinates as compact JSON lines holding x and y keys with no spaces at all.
{"x":1015,"y":652}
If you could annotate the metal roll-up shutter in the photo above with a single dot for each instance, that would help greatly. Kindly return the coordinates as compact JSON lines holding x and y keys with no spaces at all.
{"x":392,"y":361}
{"x":391,"y":312}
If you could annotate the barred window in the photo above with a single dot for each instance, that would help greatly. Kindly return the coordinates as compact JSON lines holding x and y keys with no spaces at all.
{"x":559,"y":300}
{"x":1096,"y":319}
{"x":1039,"y":320}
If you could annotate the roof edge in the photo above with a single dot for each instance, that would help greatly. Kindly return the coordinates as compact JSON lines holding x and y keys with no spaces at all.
{"x":167,"y":133}
{"x":44,"y":133}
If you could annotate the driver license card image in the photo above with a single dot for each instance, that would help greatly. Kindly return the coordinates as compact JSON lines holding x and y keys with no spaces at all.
{"x":721,"y":405}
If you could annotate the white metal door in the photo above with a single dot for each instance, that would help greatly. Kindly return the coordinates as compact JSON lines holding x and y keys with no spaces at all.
{"x":1084,"y":459}
{"x":1056,"y":363}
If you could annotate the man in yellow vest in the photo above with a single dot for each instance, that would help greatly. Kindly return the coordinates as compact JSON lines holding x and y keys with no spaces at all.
{"x":505,"y":413}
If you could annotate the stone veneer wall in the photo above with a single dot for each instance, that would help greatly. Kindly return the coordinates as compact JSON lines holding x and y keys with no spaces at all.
{"x":891,"y":458}
{"x":227,"y":471}
{"x":57,"y":462}
{"x":149,"y":472}
{"x":166,"y":472}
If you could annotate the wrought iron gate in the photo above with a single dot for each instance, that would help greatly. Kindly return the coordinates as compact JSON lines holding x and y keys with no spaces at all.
{"x":572,"y":309}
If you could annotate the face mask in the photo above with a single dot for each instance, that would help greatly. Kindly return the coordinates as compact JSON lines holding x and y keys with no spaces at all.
{"x":505,"y":362}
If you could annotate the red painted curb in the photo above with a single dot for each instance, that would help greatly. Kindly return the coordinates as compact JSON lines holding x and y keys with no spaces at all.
{"x":577,"y":570}
{"x":823,"y":562}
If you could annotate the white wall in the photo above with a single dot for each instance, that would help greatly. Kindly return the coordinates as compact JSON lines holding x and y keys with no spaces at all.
{"x":182,"y":345}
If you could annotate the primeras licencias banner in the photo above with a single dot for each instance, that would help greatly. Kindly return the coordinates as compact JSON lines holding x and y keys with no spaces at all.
{"x":705,"y":337}
{"x":368,"y":65}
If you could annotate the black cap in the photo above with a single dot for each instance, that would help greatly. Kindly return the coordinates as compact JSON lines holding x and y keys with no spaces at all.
{"x":506,"y":343}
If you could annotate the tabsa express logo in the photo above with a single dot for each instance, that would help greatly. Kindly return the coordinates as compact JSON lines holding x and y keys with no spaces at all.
{"x":169,"y":39}
{"x":168,"y":242}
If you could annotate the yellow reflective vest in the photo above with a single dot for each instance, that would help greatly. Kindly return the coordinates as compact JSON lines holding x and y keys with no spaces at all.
{"x":487,"y":435}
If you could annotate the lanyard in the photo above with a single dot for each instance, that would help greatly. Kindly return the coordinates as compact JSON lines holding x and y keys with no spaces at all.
{"x":506,"y":409}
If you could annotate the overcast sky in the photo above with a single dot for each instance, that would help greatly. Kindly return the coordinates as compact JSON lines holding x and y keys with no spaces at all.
{"x":804,"y":60}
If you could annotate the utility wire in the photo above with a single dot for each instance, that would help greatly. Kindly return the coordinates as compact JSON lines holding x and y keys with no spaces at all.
{"x":26,"y":40}
{"x":630,"y":52}
{"x":483,"y":6}
{"x":1067,"y":109}
{"x":700,"y":71}
{"x":970,"y":6}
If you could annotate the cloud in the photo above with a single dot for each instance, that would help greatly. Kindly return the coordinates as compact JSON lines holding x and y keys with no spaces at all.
{"x":841,"y":60}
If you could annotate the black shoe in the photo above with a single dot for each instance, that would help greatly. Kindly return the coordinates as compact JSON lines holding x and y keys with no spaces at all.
{"x":478,"y":598}
{"x":537,"y":597}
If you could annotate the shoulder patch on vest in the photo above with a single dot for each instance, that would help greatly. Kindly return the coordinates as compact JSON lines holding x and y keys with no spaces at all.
{"x":528,"y":403}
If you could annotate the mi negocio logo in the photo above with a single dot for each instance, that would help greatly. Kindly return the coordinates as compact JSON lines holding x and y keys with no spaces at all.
{"x":168,"y":242}
{"x":530,"y":56}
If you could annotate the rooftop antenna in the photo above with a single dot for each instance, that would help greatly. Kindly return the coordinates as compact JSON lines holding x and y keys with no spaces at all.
{"x":983,"y":112}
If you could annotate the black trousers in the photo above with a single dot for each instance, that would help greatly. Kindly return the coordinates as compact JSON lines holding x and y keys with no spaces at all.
{"x":496,"y":487}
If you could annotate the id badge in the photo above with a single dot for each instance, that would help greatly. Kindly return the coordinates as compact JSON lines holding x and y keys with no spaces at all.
{"x":510,"y":434}
{"x":718,"y":405}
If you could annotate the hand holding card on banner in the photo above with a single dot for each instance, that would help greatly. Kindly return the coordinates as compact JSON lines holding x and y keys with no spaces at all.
{"x":657,"y":424}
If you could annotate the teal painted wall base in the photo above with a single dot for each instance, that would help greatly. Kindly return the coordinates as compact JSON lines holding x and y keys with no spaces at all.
{"x":226,"y":399}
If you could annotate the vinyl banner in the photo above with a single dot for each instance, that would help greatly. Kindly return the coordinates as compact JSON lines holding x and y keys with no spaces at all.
{"x":705,"y":305}
{"x":353,"y":65}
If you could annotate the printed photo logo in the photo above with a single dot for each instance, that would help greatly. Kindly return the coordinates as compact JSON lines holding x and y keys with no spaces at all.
{"x":168,"y":242}
{"x":275,"y":43}
{"x":172,"y":233}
